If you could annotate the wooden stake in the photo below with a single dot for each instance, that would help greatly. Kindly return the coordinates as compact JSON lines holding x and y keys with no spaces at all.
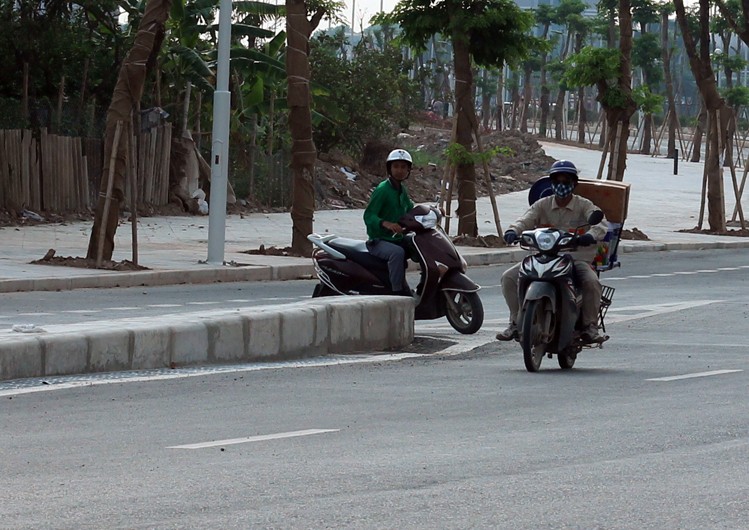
{"x":108,"y":196}
{"x":133,"y":177}
{"x":704,"y":177}
{"x":488,"y":178}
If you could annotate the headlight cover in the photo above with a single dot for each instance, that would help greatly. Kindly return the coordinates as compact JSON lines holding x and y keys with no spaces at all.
{"x":545,"y":241}
{"x":427,"y":220}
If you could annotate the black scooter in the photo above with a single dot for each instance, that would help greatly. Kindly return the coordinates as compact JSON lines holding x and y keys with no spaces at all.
{"x":345,"y":267}
{"x":549,"y":317}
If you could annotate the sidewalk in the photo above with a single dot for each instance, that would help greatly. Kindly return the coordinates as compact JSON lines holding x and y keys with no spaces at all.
{"x":175,"y":249}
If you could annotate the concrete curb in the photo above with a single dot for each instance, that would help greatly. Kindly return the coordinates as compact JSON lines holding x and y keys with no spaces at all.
{"x":304,"y":329}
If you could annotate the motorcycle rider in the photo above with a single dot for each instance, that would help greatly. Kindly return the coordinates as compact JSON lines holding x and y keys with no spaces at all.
{"x":388,"y":202}
{"x":564,"y":210}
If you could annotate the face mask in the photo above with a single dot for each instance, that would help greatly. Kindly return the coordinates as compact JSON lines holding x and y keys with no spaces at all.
{"x":562,"y":191}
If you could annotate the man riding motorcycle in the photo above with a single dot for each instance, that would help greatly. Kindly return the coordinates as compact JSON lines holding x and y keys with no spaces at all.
{"x":565,"y":210}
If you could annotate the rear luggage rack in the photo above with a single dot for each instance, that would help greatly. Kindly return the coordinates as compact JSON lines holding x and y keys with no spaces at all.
{"x":607,"y":294}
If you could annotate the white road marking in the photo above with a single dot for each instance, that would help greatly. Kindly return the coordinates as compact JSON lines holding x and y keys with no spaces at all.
{"x":248,"y":439}
{"x":240,"y":301}
{"x":164,"y":305}
{"x":33,"y":315}
{"x":202,"y":303}
{"x":651,"y":310}
{"x":81,"y":311}
{"x":121,"y":309}
{"x":686,"y":272}
{"x":692,"y":376}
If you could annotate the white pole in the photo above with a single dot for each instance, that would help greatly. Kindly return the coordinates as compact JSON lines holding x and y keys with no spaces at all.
{"x":220,"y":149}
{"x":353,"y":8}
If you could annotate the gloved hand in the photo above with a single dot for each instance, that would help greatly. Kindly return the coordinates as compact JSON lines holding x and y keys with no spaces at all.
{"x":510,"y":237}
{"x":586,"y":240}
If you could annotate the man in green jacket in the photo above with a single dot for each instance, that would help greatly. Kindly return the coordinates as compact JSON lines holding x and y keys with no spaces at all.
{"x":388,"y":203}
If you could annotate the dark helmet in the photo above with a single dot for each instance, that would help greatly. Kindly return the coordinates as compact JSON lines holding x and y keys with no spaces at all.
{"x":564,"y":167}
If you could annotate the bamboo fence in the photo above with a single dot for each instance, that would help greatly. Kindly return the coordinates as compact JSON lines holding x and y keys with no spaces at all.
{"x":54,"y":173}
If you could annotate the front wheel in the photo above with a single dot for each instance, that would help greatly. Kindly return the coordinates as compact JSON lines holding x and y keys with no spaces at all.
{"x":566,"y":360}
{"x":464,"y":311}
{"x":536,"y":333}
{"x":323,"y":290}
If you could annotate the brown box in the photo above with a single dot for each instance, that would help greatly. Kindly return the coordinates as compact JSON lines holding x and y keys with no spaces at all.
{"x":609,"y":195}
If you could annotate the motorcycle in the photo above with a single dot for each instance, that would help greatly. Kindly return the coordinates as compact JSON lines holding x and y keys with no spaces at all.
{"x":550,"y":311}
{"x":345,"y":267}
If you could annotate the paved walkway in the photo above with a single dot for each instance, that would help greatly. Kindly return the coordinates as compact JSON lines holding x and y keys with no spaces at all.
{"x":175,"y":248}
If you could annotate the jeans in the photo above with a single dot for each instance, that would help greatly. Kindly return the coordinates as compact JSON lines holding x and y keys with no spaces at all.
{"x":395,"y":255}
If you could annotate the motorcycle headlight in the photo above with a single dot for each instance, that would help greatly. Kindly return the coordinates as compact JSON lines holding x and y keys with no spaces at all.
{"x":545,"y":241}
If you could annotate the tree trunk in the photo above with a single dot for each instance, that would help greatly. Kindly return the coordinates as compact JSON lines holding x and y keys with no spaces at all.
{"x":127,"y":94}
{"x":619,"y":118}
{"x":544,"y":102}
{"x":647,"y":134}
{"x":486,"y":100}
{"x":303,"y":151}
{"x":526,"y":102}
{"x":715,"y":105}
{"x":466,"y":119}
{"x":666,"y":59}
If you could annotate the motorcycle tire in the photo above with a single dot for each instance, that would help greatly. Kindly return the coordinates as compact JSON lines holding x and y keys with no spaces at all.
{"x":566,"y":360}
{"x":535,"y":333}
{"x":464,"y":311}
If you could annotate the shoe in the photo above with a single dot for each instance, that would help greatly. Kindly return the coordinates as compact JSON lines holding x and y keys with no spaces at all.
{"x":591,"y":335}
{"x":511,"y":333}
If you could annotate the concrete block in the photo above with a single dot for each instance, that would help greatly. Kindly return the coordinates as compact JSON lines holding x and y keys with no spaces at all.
{"x":226,"y":340}
{"x":264,"y":338}
{"x":109,"y":350}
{"x":401,"y":323}
{"x":21,"y":358}
{"x":345,"y":325}
{"x":298,"y":332}
{"x":65,"y":354}
{"x":150,"y":346}
{"x":189,"y":343}
{"x":376,"y":324}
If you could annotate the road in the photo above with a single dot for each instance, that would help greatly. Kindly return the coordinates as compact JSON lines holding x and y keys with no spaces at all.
{"x":650,"y":432}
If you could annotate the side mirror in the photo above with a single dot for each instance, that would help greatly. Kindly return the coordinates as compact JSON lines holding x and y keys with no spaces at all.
{"x":595,"y":217}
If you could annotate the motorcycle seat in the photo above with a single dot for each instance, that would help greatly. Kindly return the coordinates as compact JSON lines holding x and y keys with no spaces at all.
{"x":356,"y":250}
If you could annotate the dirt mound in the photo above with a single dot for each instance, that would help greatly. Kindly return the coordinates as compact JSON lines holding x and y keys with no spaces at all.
{"x":345,"y":183}
{"x":84,"y":263}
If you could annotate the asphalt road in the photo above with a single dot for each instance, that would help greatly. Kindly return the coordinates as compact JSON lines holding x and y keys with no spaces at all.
{"x":649,"y":432}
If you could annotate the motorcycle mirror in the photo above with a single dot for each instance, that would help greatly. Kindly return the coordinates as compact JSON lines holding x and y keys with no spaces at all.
{"x":595,"y":217}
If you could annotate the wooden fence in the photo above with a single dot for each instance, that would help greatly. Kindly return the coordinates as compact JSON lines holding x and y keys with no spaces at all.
{"x":61,"y":174}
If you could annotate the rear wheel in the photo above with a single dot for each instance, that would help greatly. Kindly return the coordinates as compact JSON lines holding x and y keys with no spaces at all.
{"x":464,"y":311}
{"x":536,"y":333}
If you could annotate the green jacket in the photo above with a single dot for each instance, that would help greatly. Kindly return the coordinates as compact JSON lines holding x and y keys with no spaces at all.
{"x":386,"y":204}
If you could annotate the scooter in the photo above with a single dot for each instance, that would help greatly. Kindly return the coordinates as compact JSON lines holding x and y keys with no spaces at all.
{"x":345,"y":267}
{"x":550,"y":312}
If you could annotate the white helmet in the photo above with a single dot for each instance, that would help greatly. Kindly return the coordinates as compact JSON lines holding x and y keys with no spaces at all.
{"x":398,"y":154}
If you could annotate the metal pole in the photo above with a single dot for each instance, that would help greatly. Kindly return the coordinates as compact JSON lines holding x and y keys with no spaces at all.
{"x":220,"y":149}
{"x":353,"y":9}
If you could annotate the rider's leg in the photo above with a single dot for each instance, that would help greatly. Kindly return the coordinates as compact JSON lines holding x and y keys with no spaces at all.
{"x":395,"y":255}
{"x":591,"y":291}
{"x":510,"y":292}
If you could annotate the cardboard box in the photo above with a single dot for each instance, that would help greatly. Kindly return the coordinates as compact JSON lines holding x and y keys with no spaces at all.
{"x":609,"y":195}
